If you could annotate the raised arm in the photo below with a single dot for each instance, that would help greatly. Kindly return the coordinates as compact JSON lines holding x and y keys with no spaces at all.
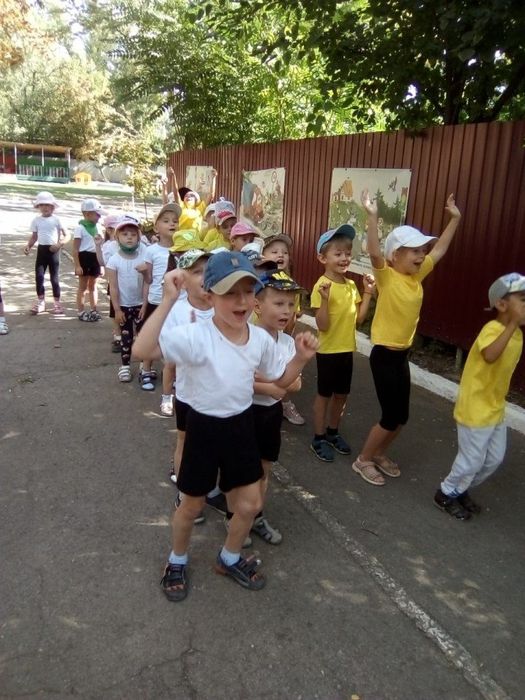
{"x":369,"y":286}
{"x":211,"y":196}
{"x":443,"y":242}
{"x":306,"y":345}
{"x":372,"y":237}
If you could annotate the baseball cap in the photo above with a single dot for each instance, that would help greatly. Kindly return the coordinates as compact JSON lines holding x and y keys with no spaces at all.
{"x":225,"y":269}
{"x":405,"y":237}
{"x":185,"y":240}
{"x":343,"y":230}
{"x":45,"y":198}
{"x":224,"y":210}
{"x":242,"y":229}
{"x":171,"y":206}
{"x":278,"y":279}
{"x":92,"y":204}
{"x":111,"y":220}
{"x":283,"y":237}
{"x":507,"y":284}
{"x":126,"y":220}
{"x":192,"y":193}
{"x":190,"y":257}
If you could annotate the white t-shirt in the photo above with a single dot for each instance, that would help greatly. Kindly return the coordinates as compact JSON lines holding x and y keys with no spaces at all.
{"x":47,"y":229}
{"x":87,"y":241}
{"x":182,"y":313}
{"x":286,"y":346}
{"x":219,"y":374}
{"x":130,"y":282}
{"x":158,"y":256}
{"x":108,"y":249}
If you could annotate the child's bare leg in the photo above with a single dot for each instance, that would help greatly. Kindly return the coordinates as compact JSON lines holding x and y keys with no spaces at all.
{"x":182,"y":522}
{"x":177,"y":455}
{"x":267,"y":468}
{"x":336,"y":410}
{"x":82,"y":286}
{"x":244,"y":502}
{"x":377,"y":442}
{"x":92,"y":292}
{"x":168,"y":377}
{"x":320,"y":410}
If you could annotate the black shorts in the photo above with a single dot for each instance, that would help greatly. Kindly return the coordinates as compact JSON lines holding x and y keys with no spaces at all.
{"x":391,"y":373}
{"x":268,"y":421}
{"x":213,"y":444}
{"x":334,"y":373}
{"x":89,"y":263}
{"x":181,"y":414}
{"x":150,"y":308}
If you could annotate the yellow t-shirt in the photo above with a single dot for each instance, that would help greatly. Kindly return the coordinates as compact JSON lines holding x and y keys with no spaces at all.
{"x":342,"y":312}
{"x":192,"y":218}
{"x":214,"y":239}
{"x":484,"y":385}
{"x":398,"y":305}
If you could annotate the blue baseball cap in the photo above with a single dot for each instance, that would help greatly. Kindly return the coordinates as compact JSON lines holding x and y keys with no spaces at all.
{"x":343,"y":230}
{"x":224,"y":269}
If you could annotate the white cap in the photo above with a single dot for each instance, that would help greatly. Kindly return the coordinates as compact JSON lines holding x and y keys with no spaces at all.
{"x":45,"y":198}
{"x":92,"y":204}
{"x":507,"y":284}
{"x":405,"y":237}
{"x":210,"y":209}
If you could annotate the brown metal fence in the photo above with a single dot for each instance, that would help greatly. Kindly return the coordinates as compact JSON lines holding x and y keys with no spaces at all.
{"x":483,"y":164}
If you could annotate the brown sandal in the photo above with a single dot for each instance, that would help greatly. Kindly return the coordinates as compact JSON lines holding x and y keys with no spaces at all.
{"x":386,"y":465}
{"x":368,"y":471}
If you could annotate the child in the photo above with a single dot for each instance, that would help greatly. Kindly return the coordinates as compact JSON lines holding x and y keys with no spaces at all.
{"x":278,"y":249}
{"x":339,"y":309}
{"x":400,"y":297}
{"x":128,"y":287}
{"x":480,"y":406}
{"x":274,"y":305}
{"x":193,"y":308}
{"x":191,"y":206}
{"x":221,"y":356}
{"x":48,"y":232}
{"x":225,"y":219}
{"x":241,"y":234}
{"x":156,"y":263}
{"x":104,"y":252}
{"x":208,"y":220}
{"x":87,"y":266}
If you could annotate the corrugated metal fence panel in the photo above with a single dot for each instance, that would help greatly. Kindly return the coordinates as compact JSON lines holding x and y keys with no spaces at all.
{"x":483,"y":164}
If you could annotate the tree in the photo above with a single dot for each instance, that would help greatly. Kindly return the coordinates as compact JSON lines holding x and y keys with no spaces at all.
{"x":16,"y":26}
{"x":421,"y":62}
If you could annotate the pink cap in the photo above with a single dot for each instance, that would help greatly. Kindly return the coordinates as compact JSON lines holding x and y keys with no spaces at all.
{"x":111,"y":220}
{"x":242,"y":229}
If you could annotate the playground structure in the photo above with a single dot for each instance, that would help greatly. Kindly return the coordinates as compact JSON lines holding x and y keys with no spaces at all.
{"x":29,"y":161}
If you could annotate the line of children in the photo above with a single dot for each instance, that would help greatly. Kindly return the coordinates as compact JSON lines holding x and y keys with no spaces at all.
{"x":223,"y":417}
{"x":48,"y":232}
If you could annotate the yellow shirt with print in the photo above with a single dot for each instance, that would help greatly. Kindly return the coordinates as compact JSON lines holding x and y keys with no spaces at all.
{"x":398,"y":305}
{"x":214,"y":239}
{"x":484,"y":385}
{"x":191,"y":218}
{"x":342,"y":313}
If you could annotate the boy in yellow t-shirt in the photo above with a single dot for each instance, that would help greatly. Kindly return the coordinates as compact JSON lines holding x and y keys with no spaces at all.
{"x":225,"y":219}
{"x":480,"y":407}
{"x":398,"y":275}
{"x":339,"y":308}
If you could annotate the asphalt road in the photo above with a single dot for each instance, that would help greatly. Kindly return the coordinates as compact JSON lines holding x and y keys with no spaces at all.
{"x":373,"y":594}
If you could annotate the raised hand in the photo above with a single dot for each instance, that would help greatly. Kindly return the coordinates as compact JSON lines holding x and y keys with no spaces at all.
{"x":306,"y":345}
{"x":369,"y":284}
{"x":324,"y":290}
{"x":368,"y":205}
{"x":452,"y":208}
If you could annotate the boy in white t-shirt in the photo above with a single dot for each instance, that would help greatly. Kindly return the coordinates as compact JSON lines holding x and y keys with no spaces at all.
{"x":87,"y":266}
{"x":127,"y":287}
{"x":224,"y":353}
{"x":156,"y":263}
{"x":49,"y":234}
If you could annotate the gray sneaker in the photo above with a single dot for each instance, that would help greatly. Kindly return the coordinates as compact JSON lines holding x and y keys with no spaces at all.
{"x":94,"y":315}
{"x":268,"y":533}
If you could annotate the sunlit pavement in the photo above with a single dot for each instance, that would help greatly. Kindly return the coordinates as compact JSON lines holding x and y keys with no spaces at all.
{"x":373,"y":593}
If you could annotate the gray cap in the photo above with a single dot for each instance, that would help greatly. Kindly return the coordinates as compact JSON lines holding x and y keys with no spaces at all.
{"x":507,"y":284}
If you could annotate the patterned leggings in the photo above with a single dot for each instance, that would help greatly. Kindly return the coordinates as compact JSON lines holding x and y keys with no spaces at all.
{"x":129,"y":328}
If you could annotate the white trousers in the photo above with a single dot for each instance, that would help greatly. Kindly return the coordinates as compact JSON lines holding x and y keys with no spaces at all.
{"x":480,"y":452}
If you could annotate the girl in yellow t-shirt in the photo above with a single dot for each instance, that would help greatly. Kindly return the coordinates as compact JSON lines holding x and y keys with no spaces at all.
{"x":191,"y":204}
{"x":398,"y":275}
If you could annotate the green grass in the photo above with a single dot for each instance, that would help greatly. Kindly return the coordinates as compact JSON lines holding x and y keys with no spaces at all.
{"x":63,"y":191}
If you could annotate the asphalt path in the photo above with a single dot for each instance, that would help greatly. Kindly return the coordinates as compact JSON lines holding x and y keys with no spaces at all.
{"x":373,"y":593}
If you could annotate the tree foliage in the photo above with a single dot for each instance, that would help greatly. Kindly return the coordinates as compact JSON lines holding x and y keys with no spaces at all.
{"x":421,"y":62}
